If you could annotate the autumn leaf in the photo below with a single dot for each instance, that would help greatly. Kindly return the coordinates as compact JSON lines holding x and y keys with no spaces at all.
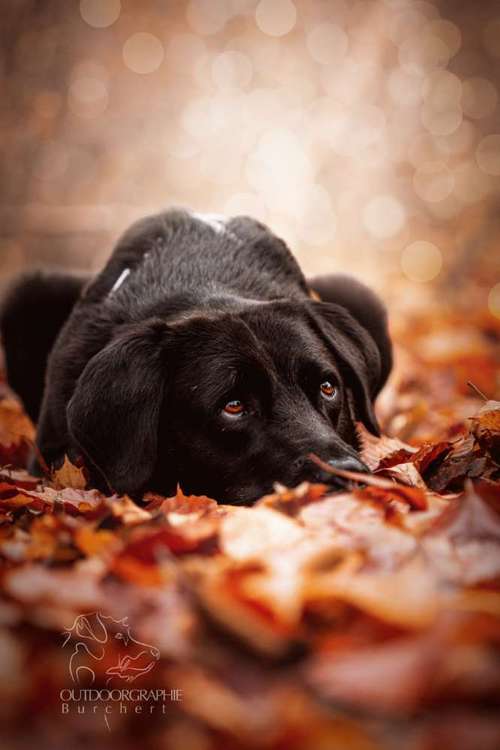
{"x":486,"y":428}
{"x":413,"y":496}
{"x":382,"y":452}
{"x":488,"y":417}
{"x":95,"y":541}
{"x":464,"y":541}
{"x":70,"y":476}
{"x":128,"y":512}
{"x":354,"y":678}
{"x":17,"y":434}
{"x":15,"y":426}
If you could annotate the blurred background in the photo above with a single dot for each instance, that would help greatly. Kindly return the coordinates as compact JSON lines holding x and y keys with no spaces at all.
{"x":366,"y":133}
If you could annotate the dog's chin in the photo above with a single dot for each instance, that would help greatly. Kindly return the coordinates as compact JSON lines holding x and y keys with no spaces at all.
{"x":247,"y":496}
{"x":243,"y":496}
{"x":225,"y":495}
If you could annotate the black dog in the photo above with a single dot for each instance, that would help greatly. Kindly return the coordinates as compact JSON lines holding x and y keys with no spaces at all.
{"x":197,"y":356}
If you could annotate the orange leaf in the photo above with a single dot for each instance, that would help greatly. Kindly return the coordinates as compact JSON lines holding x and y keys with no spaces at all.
{"x":69,"y":476}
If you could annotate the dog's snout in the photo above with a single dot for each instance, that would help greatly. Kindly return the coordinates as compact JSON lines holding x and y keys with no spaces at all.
{"x":349,"y":463}
{"x":345,"y":463}
{"x":312,"y":472}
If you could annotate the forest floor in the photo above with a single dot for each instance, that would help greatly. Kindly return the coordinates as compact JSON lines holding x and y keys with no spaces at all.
{"x":367,"y":618}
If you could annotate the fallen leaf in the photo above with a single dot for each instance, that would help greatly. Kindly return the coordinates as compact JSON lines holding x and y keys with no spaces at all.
{"x":128,"y":512}
{"x":413,"y":496}
{"x":17,"y":433}
{"x":393,"y":677}
{"x":382,"y":452}
{"x":407,"y":596}
{"x":486,"y":428}
{"x":464,"y":541}
{"x":95,"y":541}
{"x":70,"y":476}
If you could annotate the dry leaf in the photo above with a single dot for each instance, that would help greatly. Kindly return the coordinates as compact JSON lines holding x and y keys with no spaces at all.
{"x":70,"y":476}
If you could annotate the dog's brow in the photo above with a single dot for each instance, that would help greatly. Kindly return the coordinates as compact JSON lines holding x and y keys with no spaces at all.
{"x":222,"y":380}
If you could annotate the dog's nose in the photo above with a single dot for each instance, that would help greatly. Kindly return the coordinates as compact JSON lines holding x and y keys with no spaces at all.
{"x":346,"y":463}
{"x":349,"y":463}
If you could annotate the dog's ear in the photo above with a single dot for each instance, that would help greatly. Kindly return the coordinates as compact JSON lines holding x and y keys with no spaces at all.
{"x":365,"y":307}
{"x":358,"y":357}
{"x":91,"y":627}
{"x":114,"y":413}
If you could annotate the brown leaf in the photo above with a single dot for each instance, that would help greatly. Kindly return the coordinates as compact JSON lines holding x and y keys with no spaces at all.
{"x":12,"y":499}
{"x":224,"y":595}
{"x":463,"y":460}
{"x":404,"y":473}
{"x":73,"y":587}
{"x":93,"y":541}
{"x":128,"y":512}
{"x":413,"y":496}
{"x":486,"y":428}
{"x":428,"y":454}
{"x":354,"y":524}
{"x":464,"y":541}
{"x":69,"y":476}
{"x":194,"y":505}
{"x":382,"y":452}
{"x":19,"y":478}
{"x":17,"y":433}
{"x":290,"y":501}
{"x":407,"y":596}
{"x":393,"y":677}
{"x":488,"y":417}
{"x":140,"y":559}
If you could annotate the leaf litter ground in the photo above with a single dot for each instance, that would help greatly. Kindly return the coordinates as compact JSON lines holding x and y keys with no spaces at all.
{"x":366,"y":618}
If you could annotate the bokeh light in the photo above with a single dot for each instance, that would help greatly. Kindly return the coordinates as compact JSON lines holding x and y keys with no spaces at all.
{"x":231,"y":70}
{"x":327,"y":43}
{"x":479,"y":97}
{"x":246,"y":204}
{"x":100,"y":13}
{"x":276,"y":17}
{"x":383,"y":216}
{"x":143,"y":52}
{"x":441,"y":122}
{"x":87,"y":96}
{"x":354,"y":129}
{"x":422,"y":53}
{"x":421,"y":261}
{"x":470,"y":184}
{"x":52,"y":161}
{"x":491,"y":37}
{"x":47,"y":103}
{"x":447,"y":32}
{"x":433,"y":181}
{"x":488,"y":154}
{"x":207,"y":17}
{"x":494,"y":300}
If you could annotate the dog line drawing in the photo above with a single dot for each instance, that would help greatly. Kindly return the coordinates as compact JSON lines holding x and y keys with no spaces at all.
{"x":91,"y":634}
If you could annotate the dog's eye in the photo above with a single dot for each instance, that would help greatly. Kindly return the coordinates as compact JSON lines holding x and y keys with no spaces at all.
{"x":234,"y":408}
{"x":328,"y":390}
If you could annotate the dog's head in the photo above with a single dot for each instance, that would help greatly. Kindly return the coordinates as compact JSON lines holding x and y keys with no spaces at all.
{"x":227,"y":403}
